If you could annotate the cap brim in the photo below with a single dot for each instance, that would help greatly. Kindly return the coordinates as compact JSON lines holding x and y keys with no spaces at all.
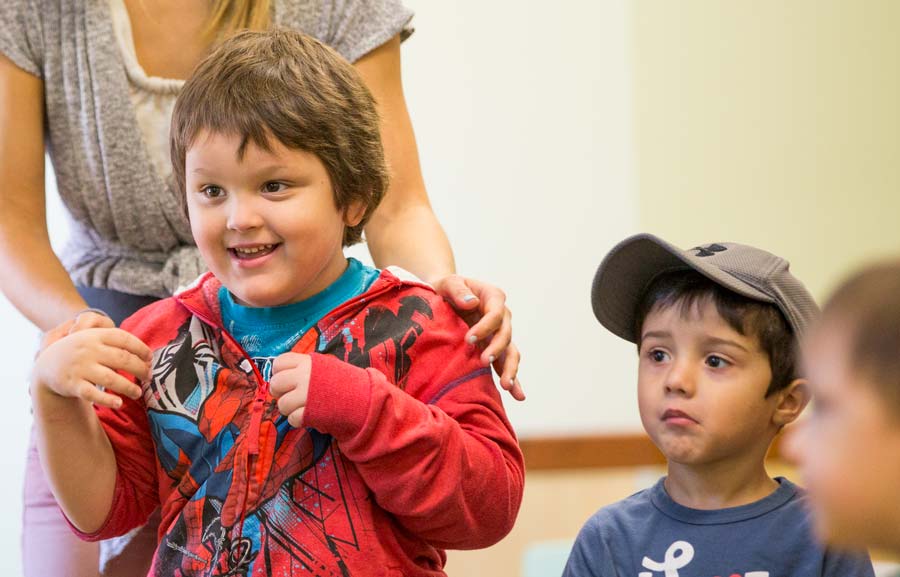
{"x":631,"y":266}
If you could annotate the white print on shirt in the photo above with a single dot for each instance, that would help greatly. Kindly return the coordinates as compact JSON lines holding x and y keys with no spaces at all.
{"x":678,"y":555}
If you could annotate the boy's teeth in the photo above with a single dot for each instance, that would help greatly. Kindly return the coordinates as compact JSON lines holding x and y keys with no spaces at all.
{"x":253,"y":250}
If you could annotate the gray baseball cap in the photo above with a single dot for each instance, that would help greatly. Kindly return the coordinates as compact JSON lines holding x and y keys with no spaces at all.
{"x":628,"y":269}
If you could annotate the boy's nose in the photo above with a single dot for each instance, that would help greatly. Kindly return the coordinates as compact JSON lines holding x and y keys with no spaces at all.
{"x":242,"y":214}
{"x":680,"y":380}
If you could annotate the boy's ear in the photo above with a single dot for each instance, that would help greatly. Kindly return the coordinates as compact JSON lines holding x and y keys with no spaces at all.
{"x":791,"y":401}
{"x":354,"y":212}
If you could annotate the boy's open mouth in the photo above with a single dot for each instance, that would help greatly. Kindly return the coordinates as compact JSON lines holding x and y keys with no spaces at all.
{"x":251,"y":252}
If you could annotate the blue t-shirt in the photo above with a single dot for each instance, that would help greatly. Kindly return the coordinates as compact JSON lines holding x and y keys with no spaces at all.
{"x":266,"y":332}
{"x":650,"y":535}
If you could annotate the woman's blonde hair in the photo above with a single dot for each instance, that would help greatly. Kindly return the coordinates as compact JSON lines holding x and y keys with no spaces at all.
{"x":229,"y":16}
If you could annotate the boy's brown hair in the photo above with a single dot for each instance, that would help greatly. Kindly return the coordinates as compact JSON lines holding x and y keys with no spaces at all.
{"x":867,"y":308}
{"x":288,"y":86}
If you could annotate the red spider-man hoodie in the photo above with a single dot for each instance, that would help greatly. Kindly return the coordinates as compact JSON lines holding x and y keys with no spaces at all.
{"x":405,"y":449}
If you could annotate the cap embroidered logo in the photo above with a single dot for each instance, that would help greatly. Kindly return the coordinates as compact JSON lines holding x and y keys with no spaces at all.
{"x":710,"y":250}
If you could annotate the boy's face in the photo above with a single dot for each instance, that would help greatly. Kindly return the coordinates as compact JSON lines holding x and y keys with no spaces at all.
{"x":266,"y":224}
{"x":848,"y":449}
{"x":701,"y":387}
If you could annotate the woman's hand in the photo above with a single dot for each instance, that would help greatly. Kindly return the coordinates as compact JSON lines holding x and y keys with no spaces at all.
{"x":86,"y":319}
{"x":483,"y":306}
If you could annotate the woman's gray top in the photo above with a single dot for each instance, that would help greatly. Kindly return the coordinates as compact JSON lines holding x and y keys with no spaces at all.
{"x":127,"y":229}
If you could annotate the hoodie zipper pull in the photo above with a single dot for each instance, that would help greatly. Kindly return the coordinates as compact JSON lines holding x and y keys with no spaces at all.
{"x":255,"y":422}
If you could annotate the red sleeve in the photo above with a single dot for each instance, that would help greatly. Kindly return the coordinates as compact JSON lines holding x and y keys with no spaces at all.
{"x":136,"y":493}
{"x":440,"y":456}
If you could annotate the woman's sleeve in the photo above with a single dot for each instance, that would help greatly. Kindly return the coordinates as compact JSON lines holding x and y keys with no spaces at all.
{"x":21,"y":34}
{"x":352,"y":27}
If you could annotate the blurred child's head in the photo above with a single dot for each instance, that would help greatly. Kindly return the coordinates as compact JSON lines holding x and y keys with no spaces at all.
{"x":716,"y":329}
{"x":849,"y":447}
{"x":277,"y":152}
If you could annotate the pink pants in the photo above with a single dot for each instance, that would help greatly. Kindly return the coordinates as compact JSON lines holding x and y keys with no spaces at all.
{"x":51,"y":549}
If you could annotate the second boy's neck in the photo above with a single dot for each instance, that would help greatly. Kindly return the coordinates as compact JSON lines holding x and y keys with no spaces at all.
{"x":719,"y":485}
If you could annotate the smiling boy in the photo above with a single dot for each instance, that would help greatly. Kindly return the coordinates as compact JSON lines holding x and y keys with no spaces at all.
{"x":716,"y":329}
{"x":292,"y":412}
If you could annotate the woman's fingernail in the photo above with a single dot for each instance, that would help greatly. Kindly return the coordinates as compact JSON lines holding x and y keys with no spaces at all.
{"x":469,"y":298}
{"x":471,"y":339}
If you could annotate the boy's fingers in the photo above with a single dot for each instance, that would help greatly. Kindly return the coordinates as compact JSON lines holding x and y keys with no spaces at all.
{"x":89,"y":392}
{"x":113,"y":381}
{"x":292,"y":400}
{"x":123,"y":360}
{"x":280,"y":384}
{"x":124,"y":340}
{"x":287,"y":361}
{"x":296,"y":418}
{"x":455,"y":289}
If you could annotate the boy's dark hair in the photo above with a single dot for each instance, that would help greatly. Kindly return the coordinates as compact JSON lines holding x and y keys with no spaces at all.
{"x":288,"y":86}
{"x":686,"y":289}
{"x":867,"y":308}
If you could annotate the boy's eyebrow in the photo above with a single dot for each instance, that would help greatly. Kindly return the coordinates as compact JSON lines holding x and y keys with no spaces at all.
{"x":259,"y":169}
{"x":708,"y":340}
{"x":727,"y":342}
{"x":656,"y":334}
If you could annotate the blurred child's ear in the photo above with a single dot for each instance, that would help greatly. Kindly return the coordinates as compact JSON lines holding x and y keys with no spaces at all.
{"x":791,"y":401}
{"x":354,"y":213}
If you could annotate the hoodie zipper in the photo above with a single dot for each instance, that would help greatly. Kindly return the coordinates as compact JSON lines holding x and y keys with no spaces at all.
{"x":262,"y":389}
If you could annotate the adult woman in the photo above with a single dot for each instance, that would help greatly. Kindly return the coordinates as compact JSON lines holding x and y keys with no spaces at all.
{"x":98,"y":78}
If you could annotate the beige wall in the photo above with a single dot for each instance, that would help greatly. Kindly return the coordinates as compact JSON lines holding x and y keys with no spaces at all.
{"x":771,"y":122}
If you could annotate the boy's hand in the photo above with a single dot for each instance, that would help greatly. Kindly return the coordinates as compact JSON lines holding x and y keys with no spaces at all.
{"x":290,"y":385}
{"x":73,"y":365}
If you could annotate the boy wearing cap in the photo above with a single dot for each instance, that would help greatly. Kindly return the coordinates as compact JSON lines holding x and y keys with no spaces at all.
{"x":716,"y":328}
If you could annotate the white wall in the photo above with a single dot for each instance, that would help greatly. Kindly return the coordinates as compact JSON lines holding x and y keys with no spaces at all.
{"x":523,"y":115}
{"x":524,"y":123}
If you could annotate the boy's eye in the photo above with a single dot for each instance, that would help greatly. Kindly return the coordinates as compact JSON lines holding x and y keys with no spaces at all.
{"x":716,"y":362}
{"x":212,"y":191}
{"x":273,"y":187}
{"x":658,"y":356}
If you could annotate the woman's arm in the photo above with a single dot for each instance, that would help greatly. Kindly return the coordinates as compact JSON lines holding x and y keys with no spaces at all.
{"x":404,"y":231}
{"x":33,"y":278}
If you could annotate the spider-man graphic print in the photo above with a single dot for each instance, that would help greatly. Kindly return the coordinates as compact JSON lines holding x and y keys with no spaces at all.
{"x":357,"y":491}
